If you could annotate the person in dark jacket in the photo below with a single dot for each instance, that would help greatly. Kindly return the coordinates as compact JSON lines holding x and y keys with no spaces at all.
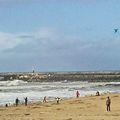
{"x":26,"y":101}
{"x":16,"y":101}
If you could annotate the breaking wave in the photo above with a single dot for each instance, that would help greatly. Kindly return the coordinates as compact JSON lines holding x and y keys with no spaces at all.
{"x":9,"y":90}
{"x":12,"y":83}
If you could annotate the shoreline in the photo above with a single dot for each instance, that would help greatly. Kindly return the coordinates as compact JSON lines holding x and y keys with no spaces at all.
{"x":83,"y":108}
{"x":53,"y":99}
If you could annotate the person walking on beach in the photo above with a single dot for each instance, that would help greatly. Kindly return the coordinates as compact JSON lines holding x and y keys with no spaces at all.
{"x":16,"y":101}
{"x":108,"y":102}
{"x":44,"y":99}
{"x":26,"y":101}
{"x":77,"y":94}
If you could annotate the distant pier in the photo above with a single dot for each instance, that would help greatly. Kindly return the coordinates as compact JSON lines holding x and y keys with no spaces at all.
{"x":61,"y":76}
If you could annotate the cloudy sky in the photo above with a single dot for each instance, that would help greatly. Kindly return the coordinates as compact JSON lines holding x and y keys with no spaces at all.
{"x":59,"y":35}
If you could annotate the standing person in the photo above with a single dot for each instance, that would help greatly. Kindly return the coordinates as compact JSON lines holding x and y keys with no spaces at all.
{"x":77,"y":94}
{"x":108,"y":102}
{"x":16,"y":101}
{"x":26,"y":101}
{"x":6,"y":105}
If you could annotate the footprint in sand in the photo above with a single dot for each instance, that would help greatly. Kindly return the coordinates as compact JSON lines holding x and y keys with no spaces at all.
{"x":36,"y":107}
{"x":115,"y":96}
{"x":58,"y":109}
{"x":69,"y":119}
{"x":102,"y":98}
{"x":27,"y":114}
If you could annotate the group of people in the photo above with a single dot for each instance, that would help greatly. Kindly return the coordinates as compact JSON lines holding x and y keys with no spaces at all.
{"x":57,"y":99}
{"x":108,"y":101}
{"x":26,"y":101}
{"x":17,"y":101}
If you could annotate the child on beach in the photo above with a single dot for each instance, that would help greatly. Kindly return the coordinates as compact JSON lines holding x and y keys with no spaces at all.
{"x":58,"y":99}
{"x":77,"y":94}
{"x":97,"y":93}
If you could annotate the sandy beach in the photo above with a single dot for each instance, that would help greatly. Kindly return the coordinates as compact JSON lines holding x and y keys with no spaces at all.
{"x":83,"y":108}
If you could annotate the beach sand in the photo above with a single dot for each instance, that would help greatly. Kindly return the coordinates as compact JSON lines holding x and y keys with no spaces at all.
{"x":83,"y":108}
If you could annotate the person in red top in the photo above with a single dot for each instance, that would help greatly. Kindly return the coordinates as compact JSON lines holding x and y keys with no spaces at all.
{"x":77,"y":94}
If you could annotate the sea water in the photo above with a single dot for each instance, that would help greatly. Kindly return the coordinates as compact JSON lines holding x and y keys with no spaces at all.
{"x":35,"y":91}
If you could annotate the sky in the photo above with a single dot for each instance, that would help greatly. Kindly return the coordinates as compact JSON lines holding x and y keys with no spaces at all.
{"x":59,"y":35}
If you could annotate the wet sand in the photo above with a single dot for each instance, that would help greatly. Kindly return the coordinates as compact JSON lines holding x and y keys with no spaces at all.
{"x":83,"y":108}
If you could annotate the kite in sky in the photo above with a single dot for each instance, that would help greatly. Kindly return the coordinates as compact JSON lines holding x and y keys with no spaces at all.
{"x":115,"y":30}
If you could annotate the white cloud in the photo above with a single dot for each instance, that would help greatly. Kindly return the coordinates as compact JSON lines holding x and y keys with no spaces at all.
{"x":44,"y":33}
{"x":8,"y":40}
{"x":47,"y":47}
{"x":48,"y":41}
{"x":11,"y":40}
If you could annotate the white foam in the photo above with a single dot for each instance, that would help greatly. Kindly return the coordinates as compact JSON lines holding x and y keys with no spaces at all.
{"x":12,"y":83}
{"x":36,"y":91}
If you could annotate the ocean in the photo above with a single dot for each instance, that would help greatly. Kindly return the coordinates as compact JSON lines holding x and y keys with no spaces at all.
{"x":35,"y":91}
